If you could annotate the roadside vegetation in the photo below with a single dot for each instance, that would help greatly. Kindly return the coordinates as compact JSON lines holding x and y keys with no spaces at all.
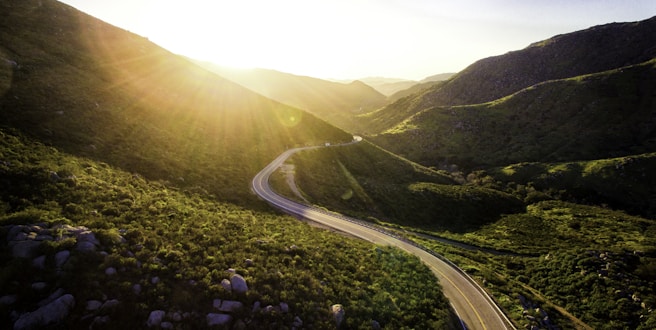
{"x":189,"y":241}
{"x":565,"y":240}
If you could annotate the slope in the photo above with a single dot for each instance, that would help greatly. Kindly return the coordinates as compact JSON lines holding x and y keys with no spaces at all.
{"x":595,"y":116}
{"x":92,"y":89}
{"x":596,"y":49}
{"x":334,"y":102}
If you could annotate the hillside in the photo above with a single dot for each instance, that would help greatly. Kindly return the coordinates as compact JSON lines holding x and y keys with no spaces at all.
{"x":87,"y":245}
{"x":595,"y":116}
{"x":334,"y":102}
{"x":388,"y":86}
{"x":596,"y":49}
{"x":95,"y":90}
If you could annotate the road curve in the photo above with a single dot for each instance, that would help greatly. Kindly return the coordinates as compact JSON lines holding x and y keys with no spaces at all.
{"x":474,"y":307}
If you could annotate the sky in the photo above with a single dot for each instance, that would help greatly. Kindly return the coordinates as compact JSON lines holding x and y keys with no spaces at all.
{"x":351,"y":39}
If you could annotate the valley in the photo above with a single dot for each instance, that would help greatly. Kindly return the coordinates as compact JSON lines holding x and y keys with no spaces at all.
{"x":132,"y":187}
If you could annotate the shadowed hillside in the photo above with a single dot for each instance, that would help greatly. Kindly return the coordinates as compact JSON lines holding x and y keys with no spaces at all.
{"x":96,"y":90}
{"x":596,"y":49}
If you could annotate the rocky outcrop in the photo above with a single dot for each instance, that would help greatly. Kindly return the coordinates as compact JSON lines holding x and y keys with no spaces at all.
{"x":51,"y":313}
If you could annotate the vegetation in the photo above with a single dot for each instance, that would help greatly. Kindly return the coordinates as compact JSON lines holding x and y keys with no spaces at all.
{"x":596,"y":116}
{"x":554,"y":249}
{"x":597,"y":49}
{"x":188,"y":241}
{"x":95,"y":90}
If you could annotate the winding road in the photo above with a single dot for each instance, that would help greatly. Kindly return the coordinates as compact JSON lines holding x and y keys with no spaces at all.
{"x":474,"y":307}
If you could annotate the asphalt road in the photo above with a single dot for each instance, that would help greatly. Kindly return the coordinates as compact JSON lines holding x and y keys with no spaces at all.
{"x":474,"y":307}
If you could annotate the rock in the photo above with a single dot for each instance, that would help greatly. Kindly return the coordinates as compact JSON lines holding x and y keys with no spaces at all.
{"x":85,"y":246}
{"x":61,"y":257}
{"x":154,"y":280}
{"x":248,"y":262}
{"x":52,"y":297}
{"x":228,"y":306}
{"x":166,"y":325}
{"x":297,"y":322}
{"x":25,"y":249}
{"x":53,"y":312}
{"x":110,"y":271}
{"x":39,"y":262}
{"x":39,"y":286}
{"x":225,"y":283}
{"x":338,"y":313}
{"x":284,"y":307}
{"x":238,"y":284}
{"x":93,"y":305}
{"x":99,"y":321}
{"x":9,"y":299}
{"x":109,"y":304}
{"x":257,"y":306}
{"x":136,"y":288}
{"x":375,"y":325}
{"x":155,"y":318}
{"x":177,"y":317}
{"x":87,"y":236}
{"x":218,"y":319}
{"x":14,"y":231}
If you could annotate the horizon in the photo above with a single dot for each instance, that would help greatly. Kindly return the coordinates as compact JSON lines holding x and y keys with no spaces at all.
{"x":343,"y":40}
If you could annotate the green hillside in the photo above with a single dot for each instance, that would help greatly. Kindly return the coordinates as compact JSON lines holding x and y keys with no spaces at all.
{"x":95,"y":90}
{"x":595,"y":116}
{"x":158,"y":249}
{"x":125,"y":196}
{"x":596,"y":49}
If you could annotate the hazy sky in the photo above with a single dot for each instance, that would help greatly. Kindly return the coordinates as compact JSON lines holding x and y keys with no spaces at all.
{"x":356,"y":38}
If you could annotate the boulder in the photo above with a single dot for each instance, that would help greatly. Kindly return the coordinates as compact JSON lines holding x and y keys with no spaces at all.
{"x":51,"y":313}
{"x":38,"y":286}
{"x":39,"y":262}
{"x":228,"y":306}
{"x":85,"y":246}
{"x":297,"y":322}
{"x":61,"y":257}
{"x":166,"y":325}
{"x":218,"y":319}
{"x":9,"y":299}
{"x":238,"y":284}
{"x":93,"y":305}
{"x":284,"y":307}
{"x":110,"y":271}
{"x":25,"y":249}
{"x":155,"y":318}
{"x":225,"y":283}
{"x":338,"y":313}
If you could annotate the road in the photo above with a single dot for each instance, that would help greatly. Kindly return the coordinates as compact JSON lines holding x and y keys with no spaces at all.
{"x":473,"y":306}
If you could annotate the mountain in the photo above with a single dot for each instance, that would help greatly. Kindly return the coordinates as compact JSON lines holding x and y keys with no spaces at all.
{"x":125,"y":197}
{"x":601,"y":115}
{"x":438,"y":77}
{"x":95,"y":90}
{"x":334,"y":102}
{"x":388,"y":86}
{"x":596,"y":49}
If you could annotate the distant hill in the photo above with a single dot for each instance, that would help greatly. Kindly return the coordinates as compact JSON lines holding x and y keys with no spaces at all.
{"x":596,"y":49}
{"x":438,"y":77}
{"x":95,"y":90}
{"x":602,"y":115}
{"x":388,"y":86}
{"x":334,"y":102}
